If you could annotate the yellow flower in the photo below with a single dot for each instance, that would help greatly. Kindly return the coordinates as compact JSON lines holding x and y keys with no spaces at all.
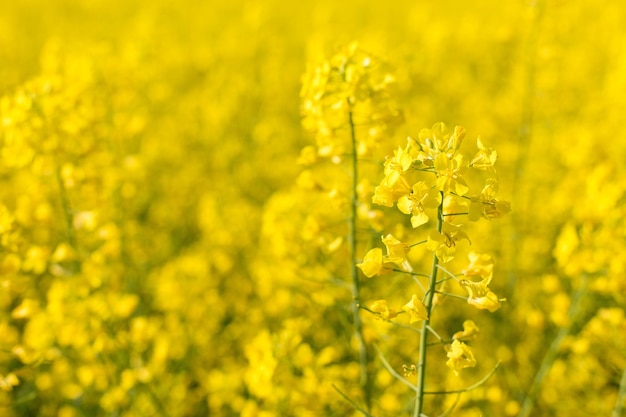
{"x":459,"y":356}
{"x":485,"y":158}
{"x":389,"y":192}
{"x":438,"y":139}
{"x":8,"y":382}
{"x":480,"y":265}
{"x":480,"y":296}
{"x":396,"y":251}
{"x":381,"y":308}
{"x":354,"y":87}
{"x":416,"y":203}
{"x":444,"y":243}
{"x":416,"y":310}
{"x":469,"y":332}
{"x":398,"y":164}
{"x":449,"y":179}
{"x":373,"y":263}
{"x":486,"y":204}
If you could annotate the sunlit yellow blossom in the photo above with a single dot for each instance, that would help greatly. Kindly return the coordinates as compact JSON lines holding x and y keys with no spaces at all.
{"x":459,"y":356}
{"x":486,"y":204}
{"x":449,"y":178}
{"x":373,"y":263}
{"x":469,"y":332}
{"x":485,"y":158}
{"x":396,"y":250}
{"x":480,"y":265}
{"x":423,"y":197}
{"x":397,"y":165}
{"x":381,"y":308}
{"x":480,"y":296}
{"x":386,"y":193}
{"x":444,"y":243}
{"x":416,"y":310}
{"x":437,"y":139}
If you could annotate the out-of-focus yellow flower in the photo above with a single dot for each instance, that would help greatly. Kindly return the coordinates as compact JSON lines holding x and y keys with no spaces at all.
{"x":486,"y":204}
{"x":480,"y":265}
{"x":480,"y":296}
{"x":373,"y":263}
{"x":382,"y":310}
{"x":567,"y":243}
{"x":8,"y":381}
{"x":416,"y":310}
{"x":351,"y":88}
{"x":459,"y":356}
{"x":26,"y":309}
{"x":469,"y":332}
{"x":485,"y":158}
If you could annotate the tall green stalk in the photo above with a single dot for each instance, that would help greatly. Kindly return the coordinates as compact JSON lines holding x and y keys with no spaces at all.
{"x":421,"y":367}
{"x":553,"y":351}
{"x":356,"y":286}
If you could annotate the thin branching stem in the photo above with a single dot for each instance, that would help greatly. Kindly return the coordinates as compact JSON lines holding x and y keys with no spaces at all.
{"x":449,"y":294}
{"x":352,"y":403}
{"x":621,"y":397}
{"x":356,"y":288}
{"x":471,"y":387}
{"x":421,"y":368}
{"x":450,"y":274}
{"x":455,"y":214}
{"x":395,"y":373}
{"x":434,"y":333}
{"x":452,"y":407}
{"x":415,"y":274}
{"x":551,"y":355}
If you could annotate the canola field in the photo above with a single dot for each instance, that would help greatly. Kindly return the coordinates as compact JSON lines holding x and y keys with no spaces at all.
{"x":313,"y":208}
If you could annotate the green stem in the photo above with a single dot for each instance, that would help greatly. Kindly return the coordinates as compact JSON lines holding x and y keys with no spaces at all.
{"x":356,"y":286}
{"x":548,"y":360}
{"x":621,"y":396}
{"x":421,"y":368}
{"x":69,"y":218}
{"x":524,"y":139}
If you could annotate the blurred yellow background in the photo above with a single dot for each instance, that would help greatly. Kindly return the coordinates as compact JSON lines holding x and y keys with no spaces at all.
{"x":157,"y":257}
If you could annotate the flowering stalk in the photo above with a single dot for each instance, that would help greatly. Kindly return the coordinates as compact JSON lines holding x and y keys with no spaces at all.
{"x":621,"y":396}
{"x":421,"y":367}
{"x":354,"y":273}
{"x":409,"y":184}
{"x":548,"y":360}
{"x":347,"y":103}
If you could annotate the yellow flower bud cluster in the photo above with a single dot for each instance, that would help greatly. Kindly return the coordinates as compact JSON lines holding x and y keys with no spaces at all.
{"x":353,"y":89}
